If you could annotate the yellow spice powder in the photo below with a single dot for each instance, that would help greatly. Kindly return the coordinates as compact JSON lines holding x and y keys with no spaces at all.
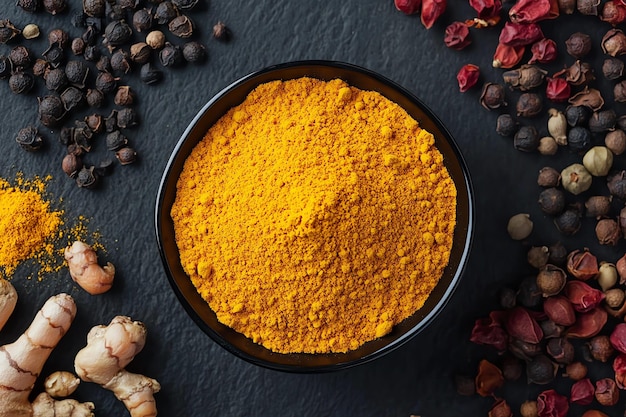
{"x":314,"y":216}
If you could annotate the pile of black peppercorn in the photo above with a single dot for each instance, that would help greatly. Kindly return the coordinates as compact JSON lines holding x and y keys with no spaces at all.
{"x":118,"y":38}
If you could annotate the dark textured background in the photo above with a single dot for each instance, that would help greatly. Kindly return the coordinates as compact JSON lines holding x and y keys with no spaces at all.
{"x":201,"y":379}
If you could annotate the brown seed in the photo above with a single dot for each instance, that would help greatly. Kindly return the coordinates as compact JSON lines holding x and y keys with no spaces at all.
{"x":614,"y":42}
{"x":140,"y":52}
{"x":492,"y":96}
{"x":124,"y":96}
{"x":548,"y":177}
{"x":578,"y":45}
{"x":71,"y":164}
{"x":221,"y":31}
{"x":529,"y":105}
{"x":126,"y":155}
{"x":181,"y":26}
{"x":155,"y":39}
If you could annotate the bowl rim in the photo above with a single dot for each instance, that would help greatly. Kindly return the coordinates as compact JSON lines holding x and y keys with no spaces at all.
{"x":298,"y":365}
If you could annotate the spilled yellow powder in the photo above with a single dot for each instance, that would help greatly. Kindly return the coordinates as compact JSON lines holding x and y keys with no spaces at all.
{"x":314,"y":216}
{"x":33,"y":228}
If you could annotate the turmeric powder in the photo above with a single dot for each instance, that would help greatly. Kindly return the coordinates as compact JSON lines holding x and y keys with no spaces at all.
{"x":314,"y":216}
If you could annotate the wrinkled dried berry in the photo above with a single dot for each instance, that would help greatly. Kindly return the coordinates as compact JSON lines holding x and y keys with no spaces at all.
{"x":602,"y":121}
{"x":165,"y":12}
{"x":104,"y":64}
{"x":20,"y":57}
{"x":72,"y":98}
{"x":120,"y":61}
{"x":86,"y":177}
{"x":181,"y":26}
{"x":30,"y":6}
{"x":529,"y":105}
{"x":106,"y":82}
{"x":149,"y":74}
{"x":552,"y":201}
{"x":95,"y":122}
{"x":94,"y":8}
{"x":127,"y":117}
{"x":142,"y":20}
{"x":54,"y":6}
{"x":194,"y":52}
{"x":140,"y":52}
{"x":29,"y":138}
{"x":170,"y":55}
{"x":92,"y":53}
{"x":117,"y":33}
{"x":124,"y":96}
{"x":56,"y":80}
{"x":51,"y":111}
{"x":77,"y":72}
{"x":492,"y":96}
{"x":506,"y":125}
{"x":185,"y":4}
{"x":613,"y":68}
{"x":115,"y":140}
{"x":90,"y":35}
{"x":7,"y":31}
{"x":221,"y":32}
{"x":568,"y":222}
{"x":577,"y":115}
{"x":95,"y":98}
{"x":58,"y":37}
{"x":526,"y":139}
{"x":55,"y":56}
{"x":71,"y":165}
{"x":5,"y":67}
{"x":579,"y":139}
{"x":79,"y":20}
{"x":21,"y":82}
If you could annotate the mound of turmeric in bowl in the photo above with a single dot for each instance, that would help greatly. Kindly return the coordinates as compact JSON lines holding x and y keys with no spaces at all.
{"x":314,"y":216}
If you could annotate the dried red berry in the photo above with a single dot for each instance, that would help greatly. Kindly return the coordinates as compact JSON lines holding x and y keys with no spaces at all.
{"x":588,"y":324}
{"x":552,"y":404}
{"x":408,"y":6}
{"x":457,"y":36}
{"x":520,"y":34}
{"x":582,"y":392}
{"x":544,"y":51}
{"x":507,"y":56}
{"x":467,"y":77}
{"x":487,"y":9}
{"x":557,"y":89}
{"x":431,"y":10}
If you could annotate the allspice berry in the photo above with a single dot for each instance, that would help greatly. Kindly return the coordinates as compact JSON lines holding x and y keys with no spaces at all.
{"x":520,"y":226}
{"x":548,"y":177}
{"x":529,"y":409}
{"x":614,"y":297}
{"x":608,"y":232}
{"x":548,"y":146}
{"x":598,"y":206}
{"x":538,"y":256}
{"x":615,"y":141}
{"x":551,"y":280}
{"x":552,"y":201}
{"x":576,"y":371}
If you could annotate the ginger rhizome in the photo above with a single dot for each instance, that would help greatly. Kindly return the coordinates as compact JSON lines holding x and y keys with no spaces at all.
{"x":109,"y":350}
{"x":61,"y":384}
{"x":46,"y":406}
{"x":85,"y":271}
{"x":8,"y":299}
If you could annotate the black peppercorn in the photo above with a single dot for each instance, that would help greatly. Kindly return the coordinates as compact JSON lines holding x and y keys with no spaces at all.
{"x":120,"y":61}
{"x":104,"y":64}
{"x":558,"y":254}
{"x":86,"y":177}
{"x":561,"y":350}
{"x":7,"y":31}
{"x":54,"y":55}
{"x":117,"y":33}
{"x":492,"y":96}
{"x":529,"y":105}
{"x":76,"y":72}
{"x":568,"y":222}
{"x":110,"y":123}
{"x":579,"y":139}
{"x":21,"y":82}
{"x":94,"y":8}
{"x":616,"y":184}
{"x":106,"y":82}
{"x":185,"y":4}
{"x":578,"y":45}
{"x":54,"y":6}
{"x":165,"y":12}
{"x":221,"y":32}
{"x":126,"y":155}
{"x":194,"y":52}
{"x":78,"y":46}
{"x":619,"y":92}
{"x":602,"y":121}
{"x":149,"y":74}
{"x":526,"y":139}
{"x":540,"y":370}
{"x":55,"y":80}
{"x":551,"y":330}
{"x":524,"y":350}
{"x":51,"y":111}
{"x":548,"y":177}
{"x":90,"y":35}
{"x":71,"y":165}
{"x":95,"y":122}
{"x":92,"y":53}
{"x":30,"y":6}
{"x":5,"y":67}
{"x":20,"y":57}
{"x":506,"y":125}
{"x":140,"y":52}
{"x":128,"y":4}
{"x":58,"y":37}
{"x":82,"y":136}
{"x":66,"y":136}
{"x":126,"y":118}
{"x":613,"y":68}
{"x":142,"y":20}
{"x":95,"y":98}
{"x":72,"y":98}
{"x":115,"y":140}
{"x":29,"y":138}
{"x":170,"y":55}
{"x":528,"y":294}
{"x":552,"y":201}
{"x":577,"y":115}
{"x":79,"y":20}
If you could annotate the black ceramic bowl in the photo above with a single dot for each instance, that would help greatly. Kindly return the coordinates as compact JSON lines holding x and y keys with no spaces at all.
{"x":235,"y":342}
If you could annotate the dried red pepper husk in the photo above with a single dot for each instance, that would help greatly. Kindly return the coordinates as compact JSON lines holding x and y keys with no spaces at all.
{"x":486,"y":9}
{"x":619,"y":366}
{"x":489,"y":331}
{"x":618,"y":337}
{"x":552,"y":404}
{"x":500,"y":409}
{"x":488,"y":379}
{"x":557,"y":89}
{"x":507,"y":56}
{"x":613,"y":12}
{"x":582,"y":296}
{"x":521,"y":325}
{"x":457,"y":36}
{"x":559,"y":309}
{"x":467,"y":77}
{"x":582,"y":392}
{"x":520,"y":34}
{"x":582,"y":265}
{"x":544,"y":51}
{"x":606,"y":392}
{"x":431,"y":10}
{"x":532,"y":11}
{"x":408,"y":6}
{"x":588,"y":324}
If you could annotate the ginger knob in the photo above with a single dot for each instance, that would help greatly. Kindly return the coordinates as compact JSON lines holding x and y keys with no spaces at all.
{"x":85,"y":271}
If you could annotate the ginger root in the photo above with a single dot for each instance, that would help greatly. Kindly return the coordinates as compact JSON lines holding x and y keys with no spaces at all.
{"x":109,"y":350}
{"x":45,"y":406}
{"x":22,"y":361}
{"x":85,"y":271}
{"x":61,"y":384}
{"x":8,"y":300}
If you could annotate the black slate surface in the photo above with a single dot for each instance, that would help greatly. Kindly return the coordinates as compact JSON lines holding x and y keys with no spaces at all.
{"x":199,"y":378}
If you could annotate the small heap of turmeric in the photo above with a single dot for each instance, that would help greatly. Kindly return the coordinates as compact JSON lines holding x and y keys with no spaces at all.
{"x":314,"y":216}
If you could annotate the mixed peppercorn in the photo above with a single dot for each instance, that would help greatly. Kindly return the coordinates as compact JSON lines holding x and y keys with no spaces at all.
{"x":88,"y":70}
